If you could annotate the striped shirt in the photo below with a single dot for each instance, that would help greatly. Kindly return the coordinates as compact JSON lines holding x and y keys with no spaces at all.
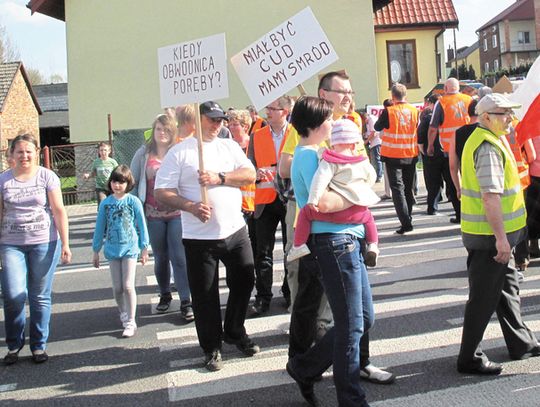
{"x":489,"y":164}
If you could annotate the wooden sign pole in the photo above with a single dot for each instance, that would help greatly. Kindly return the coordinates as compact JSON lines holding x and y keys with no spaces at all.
{"x":198,"y":134}
{"x":302,"y":90}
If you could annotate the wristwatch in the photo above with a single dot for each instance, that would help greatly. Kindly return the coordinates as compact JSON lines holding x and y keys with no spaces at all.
{"x":222,"y":177}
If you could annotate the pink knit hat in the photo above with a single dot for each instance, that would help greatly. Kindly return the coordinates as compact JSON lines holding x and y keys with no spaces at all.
{"x":345,"y":131}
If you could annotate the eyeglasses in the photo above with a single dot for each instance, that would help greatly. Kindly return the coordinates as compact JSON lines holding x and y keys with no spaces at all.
{"x":273,"y":109}
{"x":341,"y":92}
{"x":507,"y":114}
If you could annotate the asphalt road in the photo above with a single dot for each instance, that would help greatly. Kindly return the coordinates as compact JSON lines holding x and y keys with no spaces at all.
{"x":419,"y":288}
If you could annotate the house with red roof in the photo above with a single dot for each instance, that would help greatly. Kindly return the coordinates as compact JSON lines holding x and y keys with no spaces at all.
{"x":410,"y":44}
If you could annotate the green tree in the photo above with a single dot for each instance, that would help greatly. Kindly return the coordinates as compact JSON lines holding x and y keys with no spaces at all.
{"x":472,"y":73}
{"x":462,"y":72}
{"x":453,"y":73}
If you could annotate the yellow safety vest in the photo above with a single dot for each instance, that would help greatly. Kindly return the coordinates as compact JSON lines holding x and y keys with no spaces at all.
{"x":473,"y":214}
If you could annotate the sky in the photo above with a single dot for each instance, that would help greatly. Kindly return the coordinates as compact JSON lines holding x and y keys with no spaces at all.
{"x":41,"y":40}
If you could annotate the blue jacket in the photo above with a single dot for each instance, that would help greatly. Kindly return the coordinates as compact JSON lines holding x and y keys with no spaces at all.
{"x":122,"y":224}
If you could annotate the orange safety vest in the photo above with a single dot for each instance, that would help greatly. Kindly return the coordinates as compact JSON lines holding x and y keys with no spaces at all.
{"x":399,"y":140}
{"x":265,"y":157}
{"x":257,"y":125}
{"x":519,"y":155}
{"x":354,"y":117}
{"x":248,"y":195}
{"x":456,"y":114}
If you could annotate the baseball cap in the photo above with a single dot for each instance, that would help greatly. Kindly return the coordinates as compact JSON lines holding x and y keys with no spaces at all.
{"x":494,"y":101}
{"x":344,"y":131}
{"x":212,"y":110}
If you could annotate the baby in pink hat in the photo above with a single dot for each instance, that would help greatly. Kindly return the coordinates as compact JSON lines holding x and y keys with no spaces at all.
{"x":351,"y":175}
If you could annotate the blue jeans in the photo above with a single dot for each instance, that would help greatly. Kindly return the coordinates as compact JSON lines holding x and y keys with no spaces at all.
{"x":28,"y":272}
{"x":375,"y":155}
{"x":339,"y":261}
{"x":166,"y":240}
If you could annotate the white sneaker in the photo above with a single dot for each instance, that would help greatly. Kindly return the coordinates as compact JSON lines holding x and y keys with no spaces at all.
{"x":371,"y":255}
{"x":376,"y":375}
{"x":130,"y":329}
{"x":124,"y":318}
{"x":298,"y":251}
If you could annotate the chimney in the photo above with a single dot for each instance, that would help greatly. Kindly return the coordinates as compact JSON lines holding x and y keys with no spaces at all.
{"x":450,"y":52}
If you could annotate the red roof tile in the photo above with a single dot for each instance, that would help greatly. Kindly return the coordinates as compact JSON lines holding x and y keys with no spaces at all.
{"x":401,"y":13}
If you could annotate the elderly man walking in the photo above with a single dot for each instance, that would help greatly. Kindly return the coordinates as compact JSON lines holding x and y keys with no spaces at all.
{"x":493,"y":221}
{"x":213,"y":231}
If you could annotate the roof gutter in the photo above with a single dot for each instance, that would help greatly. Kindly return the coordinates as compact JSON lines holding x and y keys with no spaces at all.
{"x":438,"y":62}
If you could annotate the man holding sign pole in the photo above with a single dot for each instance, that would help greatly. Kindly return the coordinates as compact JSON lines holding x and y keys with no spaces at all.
{"x":213,"y":231}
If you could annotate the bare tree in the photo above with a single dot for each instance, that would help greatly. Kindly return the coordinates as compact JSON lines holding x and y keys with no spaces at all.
{"x":35,"y":77}
{"x":56,"y":78}
{"x":8,"y":52}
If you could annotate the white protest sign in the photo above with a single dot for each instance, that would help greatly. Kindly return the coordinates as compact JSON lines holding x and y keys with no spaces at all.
{"x":376,"y":110}
{"x":283,"y":58}
{"x":193,"y":71}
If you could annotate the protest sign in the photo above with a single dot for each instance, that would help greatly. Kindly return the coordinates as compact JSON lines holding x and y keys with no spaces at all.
{"x":193,"y":71}
{"x":376,"y":110}
{"x":283,"y":58}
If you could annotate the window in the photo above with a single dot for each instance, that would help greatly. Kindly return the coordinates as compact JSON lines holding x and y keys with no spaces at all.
{"x":402,"y":65}
{"x":496,"y":65}
{"x":523,"y":37}
{"x":494,"y":41}
{"x":486,"y":67}
{"x":485,"y":45}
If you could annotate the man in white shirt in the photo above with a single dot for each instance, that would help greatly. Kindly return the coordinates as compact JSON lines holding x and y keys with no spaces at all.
{"x":213,"y":231}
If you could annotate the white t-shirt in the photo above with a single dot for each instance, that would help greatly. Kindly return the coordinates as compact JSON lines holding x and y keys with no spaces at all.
{"x":370,"y":127}
{"x":179,"y":170}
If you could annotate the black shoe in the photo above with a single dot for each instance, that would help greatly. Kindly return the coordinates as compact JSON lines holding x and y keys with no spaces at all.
{"x":12,"y":357}
{"x":534,"y":352}
{"x":164,"y":302}
{"x":259,"y":308}
{"x":306,"y":388}
{"x":485,"y":367}
{"x":244,"y":345}
{"x":40,"y":357}
{"x":213,"y":361}
{"x":404,"y":229}
{"x":186,"y":310}
{"x":455,"y":220}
